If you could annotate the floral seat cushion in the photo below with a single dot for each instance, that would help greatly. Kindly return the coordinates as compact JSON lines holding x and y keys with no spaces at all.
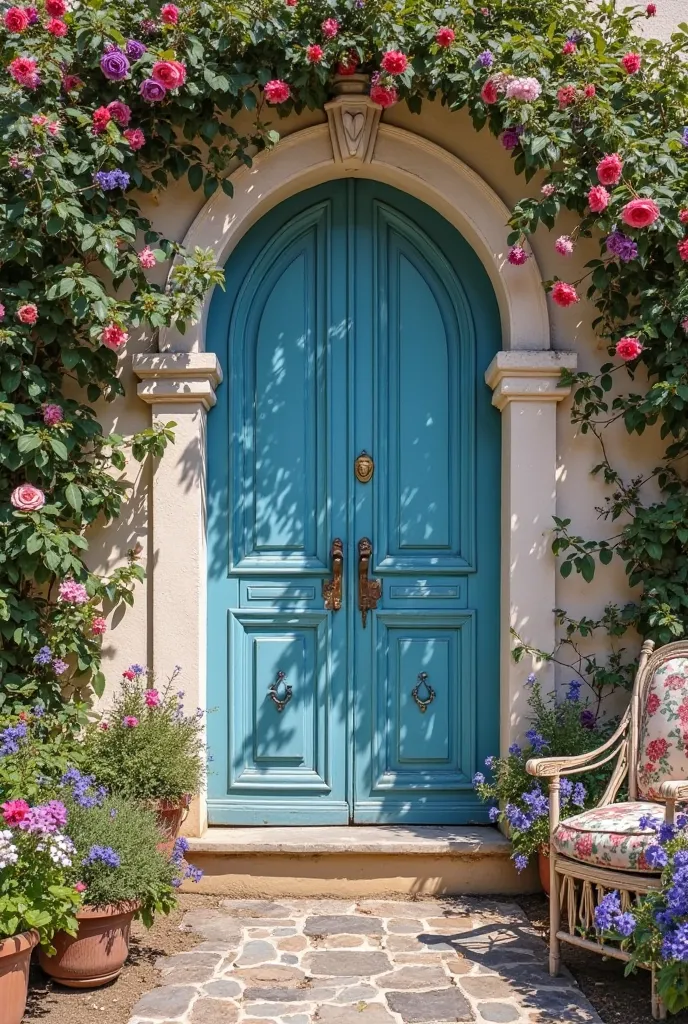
{"x":610,"y":837}
{"x":663,"y":746}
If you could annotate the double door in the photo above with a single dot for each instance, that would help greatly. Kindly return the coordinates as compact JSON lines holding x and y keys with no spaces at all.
{"x":353,"y":511}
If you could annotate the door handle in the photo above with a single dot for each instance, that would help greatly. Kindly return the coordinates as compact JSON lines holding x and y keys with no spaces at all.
{"x":332,"y":588}
{"x":369,"y":591}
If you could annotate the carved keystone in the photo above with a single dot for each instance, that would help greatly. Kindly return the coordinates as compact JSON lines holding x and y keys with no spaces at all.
{"x":353,"y":119}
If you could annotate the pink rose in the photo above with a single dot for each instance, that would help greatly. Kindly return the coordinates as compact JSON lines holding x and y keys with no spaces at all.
{"x":517,"y":255}
{"x":80,"y":886}
{"x":384,"y":95}
{"x":683,"y":249}
{"x":569,"y":47}
{"x":564,"y":245}
{"x":27,"y":498}
{"x":566,"y":95}
{"x":147,"y":258}
{"x":14,"y":811}
{"x":57,"y":27}
{"x":394,"y":62}
{"x":524,"y":89}
{"x":683,"y":216}
{"x":119,"y":112}
{"x":169,"y":73}
{"x":640,"y":213}
{"x":590,"y":91}
{"x":631,"y":63}
{"x":130,"y":721}
{"x":628,"y":348}
{"x":277,"y":91}
{"x":445,"y":36}
{"x":98,"y":626}
{"x":330,"y":28}
{"x":170,"y":14}
{"x":72,"y":592}
{"x":24,"y":70}
{"x":489,"y":92}
{"x":609,"y":169}
{"x":314,"y":53}
{"x":101,"y":118}
{"x":52,"y":415}
{"x":564,"y":294}
{"x":16,"y":19}
{"x":56,"y":8}
{"x":114,"y":336}
{"x":548,"y":190}
{"x":135,"y":137}
{"x":28,"y":314}
{"x":152,"y":698}
{"x":598,"y":199}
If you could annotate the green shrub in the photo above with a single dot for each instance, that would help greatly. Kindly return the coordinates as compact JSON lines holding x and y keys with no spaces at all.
{"x":146,"y":747}
{"x":35,"y":751}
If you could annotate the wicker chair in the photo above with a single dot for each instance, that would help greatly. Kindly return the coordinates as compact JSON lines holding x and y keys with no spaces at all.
{"x":604,"y":848}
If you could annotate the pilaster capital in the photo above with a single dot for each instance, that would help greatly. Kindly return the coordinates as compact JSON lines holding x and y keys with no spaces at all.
{"x":353,"y":120}
{"x":178,"y":377}
{"x":529,"y":376}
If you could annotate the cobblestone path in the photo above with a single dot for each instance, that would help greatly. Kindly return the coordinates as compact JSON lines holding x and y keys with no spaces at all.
{"x":300,"y":961}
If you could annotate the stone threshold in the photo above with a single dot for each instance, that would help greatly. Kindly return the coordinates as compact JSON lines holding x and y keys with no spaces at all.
{"x":357,"y":840}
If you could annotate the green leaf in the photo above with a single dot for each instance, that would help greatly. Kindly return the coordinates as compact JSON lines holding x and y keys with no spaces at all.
{"x":28,"y":442}
{"x":60,"y":448}
{"x":195,"y":176}
{"x":73,"y":496}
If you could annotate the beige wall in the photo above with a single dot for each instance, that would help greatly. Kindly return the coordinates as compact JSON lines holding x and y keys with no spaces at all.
{"x":173,"y":211}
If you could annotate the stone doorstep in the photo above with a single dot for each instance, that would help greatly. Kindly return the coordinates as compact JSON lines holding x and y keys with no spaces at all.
{"x":356,"y":840}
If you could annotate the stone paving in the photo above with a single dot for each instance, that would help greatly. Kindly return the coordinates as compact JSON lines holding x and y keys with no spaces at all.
{"x":300,"y":961}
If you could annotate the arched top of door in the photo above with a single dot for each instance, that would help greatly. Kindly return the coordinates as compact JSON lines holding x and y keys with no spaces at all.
{"x":399,"y":158}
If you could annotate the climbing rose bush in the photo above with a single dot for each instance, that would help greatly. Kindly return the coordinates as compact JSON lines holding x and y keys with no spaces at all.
{"x":102,"y":105}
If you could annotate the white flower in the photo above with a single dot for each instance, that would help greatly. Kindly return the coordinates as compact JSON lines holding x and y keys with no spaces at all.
{"x":9,"y":853}
{"x":525,"y":89}
{"x":61,"y":848}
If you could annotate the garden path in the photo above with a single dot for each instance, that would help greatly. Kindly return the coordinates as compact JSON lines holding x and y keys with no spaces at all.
{"x":298,"y":961}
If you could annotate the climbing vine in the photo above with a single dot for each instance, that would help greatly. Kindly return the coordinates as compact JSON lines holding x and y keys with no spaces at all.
{"x":102,"y":103}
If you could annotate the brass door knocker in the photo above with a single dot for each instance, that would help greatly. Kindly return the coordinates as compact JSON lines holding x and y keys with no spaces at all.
{"x":364,"y":467}
{"x":423,"y":702}
{"x":274,"y":691}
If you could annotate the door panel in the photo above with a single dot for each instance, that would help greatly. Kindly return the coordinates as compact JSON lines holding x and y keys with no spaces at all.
{"x":355,"y":318}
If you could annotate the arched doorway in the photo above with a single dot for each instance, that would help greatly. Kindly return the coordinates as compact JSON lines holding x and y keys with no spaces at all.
{"x":355,"y":319}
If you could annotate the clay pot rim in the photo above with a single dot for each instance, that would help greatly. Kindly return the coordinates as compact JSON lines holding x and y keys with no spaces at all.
{"x":108,"y":910}
{"x":19,"y":943}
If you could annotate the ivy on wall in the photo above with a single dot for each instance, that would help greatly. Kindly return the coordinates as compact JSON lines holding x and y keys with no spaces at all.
{"x":103,"y":102}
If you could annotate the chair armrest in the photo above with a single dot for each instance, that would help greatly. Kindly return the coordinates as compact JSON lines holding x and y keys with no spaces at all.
{"x":674,"y":790}
{"x":549,"y":767}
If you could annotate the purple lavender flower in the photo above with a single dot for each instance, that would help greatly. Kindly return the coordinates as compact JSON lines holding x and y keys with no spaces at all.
{"x":675,"y":945}
{"x":536,"y":740}
{"x":114,"y":65}
{"x":517,"y":818}
{"x":59,"y":666}
{"x":515,"y":750}
{"x":666,"y":833}
{"x":194,"y":874}
{"x":485,"y":59}
{"x":11,"y":737}
{"x":606,"y":911}
{"x":134,"y":49}
{"x":489,"y":761}
{"x":82,"y":786}
{"x":536,"y":802}
{"x":573,"y":693}
{"x":521,"y":862}
{"x":137,"y":669}
{"x":625,"y":924}
{"x":478,"y":779}
{"x":493,"y":814}
{"x":575,"y":35}
{"x":109,"y":180}
{"x":579,"y":794}
{"x":44,"y":656}
{"x":565,"y":790}
{"x":152,"y":91}
{"x":622,"y":246}
{"x":105,"y":854}
{"x":656,"y":857}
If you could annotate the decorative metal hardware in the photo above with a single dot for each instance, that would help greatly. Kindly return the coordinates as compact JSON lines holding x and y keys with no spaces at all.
{"x":364,"y":467}
{"x":332,"y":588}
{"x":274,"y":691}
{"x":369,"y":591}
{"x":423,"y":702}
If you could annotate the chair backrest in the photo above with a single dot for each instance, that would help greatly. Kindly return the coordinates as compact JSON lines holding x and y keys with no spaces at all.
{"x":658,"y":736}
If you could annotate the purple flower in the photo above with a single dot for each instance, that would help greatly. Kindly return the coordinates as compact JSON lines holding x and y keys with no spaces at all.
{"x":134,"y":49}
{"x":573,"y":693}
{"x":565,"y":790}
{"x":44,"y":656}
{"x":675,"y":945}
{"x":194,"y":874}
{"x":517,"y":818}
{"x":82,"y":787}
{"x":625,"y":924}
{"x":485,"y":59}
{"x":11,"y":737}
{"x":536,"y":740}
{"x":490,"y":761}
{"x":607,"y":909}
{"x":109,"y":180}
{"x":45,"y":819}
{"x":114,"y":65}
{"x":511,"y":137}
{"x":575,"y":35}
{"x":105,"y":854}
{"x":579,"y":795}
{"x":666,"y":833}
{"x":684,"y":137}
{"x":152,"y":91}
{"x":622,"y":246}
{"x":536,"y":802}
{"x":515,"y":750}
{"x":138,"y":670}
{"x":656,"y":857}
{"x":38,"y":711}
{"x":493,"y":814}
{"x":59,"y":666}
{"x":478,"y":779}
{"x":521,"y":862}
{"x":587,"y":719}
{"x":530,"y":681}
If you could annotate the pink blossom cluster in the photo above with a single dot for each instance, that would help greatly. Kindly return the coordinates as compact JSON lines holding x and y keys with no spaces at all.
{"x":71,"y":592}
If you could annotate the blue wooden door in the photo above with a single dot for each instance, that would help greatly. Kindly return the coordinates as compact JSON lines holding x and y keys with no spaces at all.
{"x":355,"y":320}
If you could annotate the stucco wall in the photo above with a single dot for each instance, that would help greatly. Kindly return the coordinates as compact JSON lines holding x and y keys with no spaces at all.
{"x":173,"y":211}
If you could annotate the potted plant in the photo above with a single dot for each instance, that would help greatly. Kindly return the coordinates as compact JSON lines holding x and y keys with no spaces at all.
{"x":521,"y":805}
{"x":120,"y":873}
{"x":36,"y":897}
{"x":148,"y":749}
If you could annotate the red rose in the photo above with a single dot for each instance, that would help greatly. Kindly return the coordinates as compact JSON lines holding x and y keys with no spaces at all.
{"x":170,"y":14}
{"x":101,"y":118}
{"x":564,"y":294}
{"x":384,"y":95}
{"x":57,"y":27}
{"x":314,"y":53}
{"x":16,"y":19}
{"x":631,"y":63}
{"x":683,"y":249}
{"x":445,"y":36}
{"x":56,"y":8}
{"x":28,"y":314}
{"x":628,"y":348}
{"x":395,"y":62}
{"x":489,"y":92}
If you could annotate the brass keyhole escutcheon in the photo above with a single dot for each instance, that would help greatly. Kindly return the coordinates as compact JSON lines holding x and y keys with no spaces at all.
{"x":423,"y":684}
{"x":364,"y":467}
{"x":280,"y":687}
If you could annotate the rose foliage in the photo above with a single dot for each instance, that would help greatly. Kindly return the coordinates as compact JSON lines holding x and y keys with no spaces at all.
{"x":103,"y":105}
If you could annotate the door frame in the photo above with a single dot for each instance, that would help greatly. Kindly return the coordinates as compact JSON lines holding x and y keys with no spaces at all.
{"x":179,"y":383}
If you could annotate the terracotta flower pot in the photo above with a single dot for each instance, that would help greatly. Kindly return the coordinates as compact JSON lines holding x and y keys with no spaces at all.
{"x":543,"y":868}
{"x":15,"y":954}
{"x":171,"y":814}
{"x":97,"y":954}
